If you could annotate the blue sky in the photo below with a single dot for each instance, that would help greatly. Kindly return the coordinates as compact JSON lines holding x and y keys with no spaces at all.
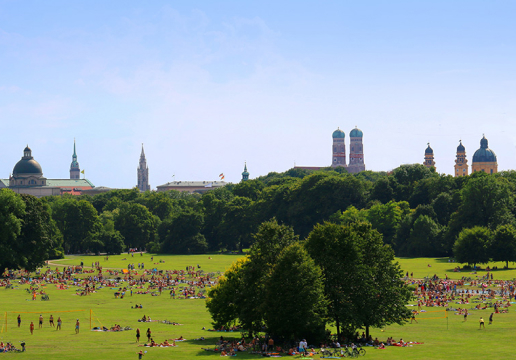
{"x":207,"y":85}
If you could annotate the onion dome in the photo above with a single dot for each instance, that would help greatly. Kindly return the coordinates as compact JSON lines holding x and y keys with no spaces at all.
{"x":338,"y":134}
{"x":484,"y":154}
{"x":461,"y":147}
{"x":356,"y":132}
{"x":27,"y":164}
{"x":429,"y":150}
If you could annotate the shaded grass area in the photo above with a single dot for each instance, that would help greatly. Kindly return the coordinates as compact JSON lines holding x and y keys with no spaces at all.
{"x":449,"y":338}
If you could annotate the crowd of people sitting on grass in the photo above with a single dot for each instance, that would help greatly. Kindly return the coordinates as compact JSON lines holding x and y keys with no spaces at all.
{"x":9,"y":347}
{"x":266,"y":346}
{"x":445,"y":293}
{"x":190,"y":283}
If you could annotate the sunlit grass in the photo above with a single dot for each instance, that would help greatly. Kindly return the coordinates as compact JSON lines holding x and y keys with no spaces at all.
{"x":444,"y":338}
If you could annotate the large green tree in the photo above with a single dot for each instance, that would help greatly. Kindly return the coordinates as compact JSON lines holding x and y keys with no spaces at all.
{"x":295,"y":304}
{"x":225,"y":299}
{"x":362,"y":279}
{"x":503,"y":245}
{"x":181,"y":235}
{"x":38,"y":239}
{"x":12,"y":210}
{"x":386,"y":217}
{"x":486,"y":201}
{"x":136,"y":224}
{"x":424,"y":238}
{"x":77,"y":220}
{"x":248,"y":281}
{"x":472,"y":245}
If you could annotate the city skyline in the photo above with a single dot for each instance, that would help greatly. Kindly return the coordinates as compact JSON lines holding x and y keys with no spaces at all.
{"x":207,"y":87}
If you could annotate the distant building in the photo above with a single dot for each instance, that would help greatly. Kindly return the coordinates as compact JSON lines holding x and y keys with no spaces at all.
{"x":75,"y":171}
{"x":461,"y":163}
{"x":245,"y":174}
{"x":27,"y":178}
{"x":356,"y":151}
{"x":339,"y":148}
{"x":191,"y":187}
{"x":143,"y":173}
{"x":484,"y":159}
{"x":429,"y":157}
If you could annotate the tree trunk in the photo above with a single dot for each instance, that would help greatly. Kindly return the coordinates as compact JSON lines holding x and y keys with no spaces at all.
{"x":367,"y":331}
{"x":338,"y":328}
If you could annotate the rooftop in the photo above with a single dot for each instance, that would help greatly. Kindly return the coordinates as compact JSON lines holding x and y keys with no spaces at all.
{"x":72,"y":183}
{"x":193,"y":183}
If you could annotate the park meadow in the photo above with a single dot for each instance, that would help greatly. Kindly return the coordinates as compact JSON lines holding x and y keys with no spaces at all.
{"x":443,"y":334}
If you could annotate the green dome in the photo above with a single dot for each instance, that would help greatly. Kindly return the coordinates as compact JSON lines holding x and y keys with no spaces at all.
{"x":484,"y":154}
{"x":27,"y":166}
{"x":338,"y":134}
{"x":356,"y":133}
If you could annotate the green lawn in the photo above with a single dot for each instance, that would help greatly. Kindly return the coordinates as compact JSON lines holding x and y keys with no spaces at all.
{"x":443,"y":338}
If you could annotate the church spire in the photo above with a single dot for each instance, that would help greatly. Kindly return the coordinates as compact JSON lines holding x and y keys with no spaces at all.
{"x":143,"y":173}
{"x":245,"y":174}
{"x":75,"y":171}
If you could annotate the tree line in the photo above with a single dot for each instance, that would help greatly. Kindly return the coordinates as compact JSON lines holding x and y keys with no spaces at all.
{"x":417,"y":211}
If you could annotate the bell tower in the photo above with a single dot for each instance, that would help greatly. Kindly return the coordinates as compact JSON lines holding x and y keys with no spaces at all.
{"x":461,"y":163}
{"x":143,"y":173}
{"x":356,"y":151}
{"x":339,"y":149}
{"x":429,"y":157}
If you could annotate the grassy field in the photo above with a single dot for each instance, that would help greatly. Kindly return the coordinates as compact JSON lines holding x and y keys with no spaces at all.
{"x":443,"y":338}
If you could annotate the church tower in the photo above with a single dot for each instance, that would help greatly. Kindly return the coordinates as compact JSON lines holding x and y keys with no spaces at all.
{"x":429,"y":157}
{"x":143,"y":173}
{"x":75,"y":171}
{"x":339,"y":148}
{"x":356,"y":151}
{"x":461,"y":163}
{"x":245,"y":174}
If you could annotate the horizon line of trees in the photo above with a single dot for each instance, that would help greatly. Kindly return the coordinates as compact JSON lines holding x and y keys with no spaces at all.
{"x":417,"y":211}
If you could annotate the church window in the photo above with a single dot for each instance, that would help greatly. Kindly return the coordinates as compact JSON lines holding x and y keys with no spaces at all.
{"x":491,"y":171}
